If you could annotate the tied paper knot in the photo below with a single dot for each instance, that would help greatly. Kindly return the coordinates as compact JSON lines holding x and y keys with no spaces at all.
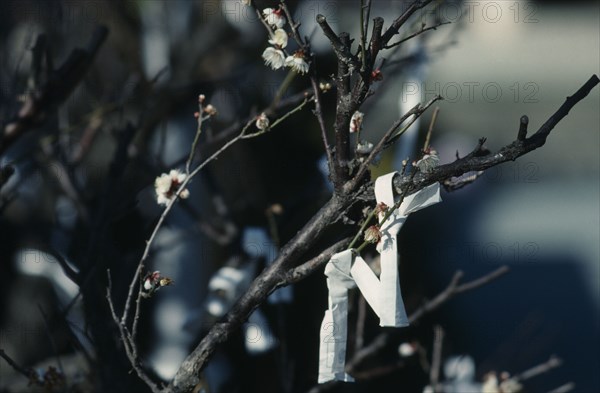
{"x":382,"y":293}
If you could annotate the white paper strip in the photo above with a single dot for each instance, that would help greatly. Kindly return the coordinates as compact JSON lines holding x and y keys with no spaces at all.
{"x":332,"y":350}
{"x":383,"y":293}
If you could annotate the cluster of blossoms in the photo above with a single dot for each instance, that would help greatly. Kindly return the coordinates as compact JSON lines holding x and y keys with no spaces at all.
{"x":166,"y":186}
{"x":51,"y":379}
{"x":274,"y":56}
{"x":154,"y":281}
{"x":429,"y":161}
{"x":209,"y":110}
{"x":506,"y":384}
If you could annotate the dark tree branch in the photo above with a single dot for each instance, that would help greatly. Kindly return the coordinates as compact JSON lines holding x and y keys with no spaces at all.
{"x":345,"y":108}
{"x":479,"y":159}
{"x":307,"y":268}
{"x":399,"y":22}
{"x":62,"y":82}
{"x":188,"y":374}
{"x":342,"y":51}
{"x":567,"y":387}
{"x":21,"y":370}
{"x":375,"y":45}
{"x":451,"y":185}
{"x":128,"y":342}
{"x":523,"y":123}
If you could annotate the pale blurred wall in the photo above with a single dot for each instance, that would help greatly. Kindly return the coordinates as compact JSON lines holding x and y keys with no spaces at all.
{"x":551,"y":196}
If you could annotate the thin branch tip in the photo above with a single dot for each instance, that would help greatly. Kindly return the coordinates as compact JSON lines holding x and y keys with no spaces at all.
{"x":524,"y":122}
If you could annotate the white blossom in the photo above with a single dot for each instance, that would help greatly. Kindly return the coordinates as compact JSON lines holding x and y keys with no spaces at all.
{"x":325,"y":86}
{"x":429,"y":161}
{"x":372,"y":234}
{"x":274,"y":17}
{"x":280,"y":38}
{"x":490,"y":383}
{"x":210,"y":110}
{"x":406,"y":349}
{"x":262,"y":122}
{"x":297,"y":63}
{"x":364,"y":147}
{"x":167,"y":184}
{"x":356,"y":121}
{"x":274,"y":58}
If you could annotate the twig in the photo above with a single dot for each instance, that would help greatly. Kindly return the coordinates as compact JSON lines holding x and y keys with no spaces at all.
{"x":523,"y":123}
{"x":367,"y":16}
{"x":51,"y":339}
{"x":385,"y":217}
{"x":341,"y":50}
{"x":543,"y":368}
{"x":363,"y":37}
{"x":395,"y":26}
{"x":128,"y":344}
{"x":276,"y":122}
{"x":413,"y":35}
{"x":307,"y":268}
{"x":163,"y":216}
{"x":201,"y":119}
{"x":363,"y":227}
{"x":430,"y":130}
{"x":293,"y":25}
{"x":436,"y":359}
{"x":23,"y":371}
{"x":416,"y":111}
{"x":567,"y":387}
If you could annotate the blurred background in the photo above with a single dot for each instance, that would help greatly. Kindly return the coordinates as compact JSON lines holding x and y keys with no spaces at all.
{"x":82,"y":191}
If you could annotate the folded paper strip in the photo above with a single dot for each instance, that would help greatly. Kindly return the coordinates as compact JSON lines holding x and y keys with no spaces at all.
{"x":383,"y":294}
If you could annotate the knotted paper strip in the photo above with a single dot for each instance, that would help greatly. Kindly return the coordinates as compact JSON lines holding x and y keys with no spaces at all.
{"x":383,"y":293}
{"x":332,"y":351}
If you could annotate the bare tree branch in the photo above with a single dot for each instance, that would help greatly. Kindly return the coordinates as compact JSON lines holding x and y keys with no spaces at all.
{"x":56,"y":90}
{"x":543,"y":368}
{"x":21,"y":370}
{"x":307,"y":268}
{"x":479,"y":159}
